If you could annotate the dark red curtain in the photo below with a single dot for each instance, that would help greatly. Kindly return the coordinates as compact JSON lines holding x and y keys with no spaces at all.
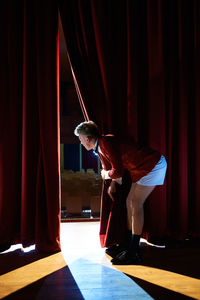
{"x":137,"y":67}
{"x":29,"y":125}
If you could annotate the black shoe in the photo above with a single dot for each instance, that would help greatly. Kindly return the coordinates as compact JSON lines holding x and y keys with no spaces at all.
{"x":125,"y":258}
{"x":114,"y":250}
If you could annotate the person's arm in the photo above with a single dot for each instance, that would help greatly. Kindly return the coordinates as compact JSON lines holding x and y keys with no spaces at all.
{"x":105,"y":175}
{"x":112,"y":190}
{"x":111,"y":152}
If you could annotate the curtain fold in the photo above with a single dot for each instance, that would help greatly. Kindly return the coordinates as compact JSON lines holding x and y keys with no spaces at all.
{"x":29,"y":114}
{"x":137,"y":67}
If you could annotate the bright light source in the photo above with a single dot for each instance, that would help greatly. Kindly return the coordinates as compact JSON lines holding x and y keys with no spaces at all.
{"x":19,"y":246}
{"x":12,"y":248}
{"x":28,"y":249}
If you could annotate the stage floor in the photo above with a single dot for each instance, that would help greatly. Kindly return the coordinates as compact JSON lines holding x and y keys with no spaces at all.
{"x":82,"y":270}
{"x":165,"y":274}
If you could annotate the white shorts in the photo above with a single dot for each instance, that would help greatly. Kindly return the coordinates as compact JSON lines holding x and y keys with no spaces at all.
{"x":157,"y":174}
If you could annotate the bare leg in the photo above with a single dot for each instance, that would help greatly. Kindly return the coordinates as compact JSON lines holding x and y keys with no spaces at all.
{"x":135,"y":201}
{"x":129,"y":207}
{"x":135,"y":219}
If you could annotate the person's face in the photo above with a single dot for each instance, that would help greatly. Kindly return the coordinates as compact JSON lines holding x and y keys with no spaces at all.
{"x":87,"y":142}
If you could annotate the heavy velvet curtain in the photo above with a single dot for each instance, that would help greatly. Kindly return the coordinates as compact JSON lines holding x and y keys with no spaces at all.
{"x":136,"y":66}
{"x":29,"y":125}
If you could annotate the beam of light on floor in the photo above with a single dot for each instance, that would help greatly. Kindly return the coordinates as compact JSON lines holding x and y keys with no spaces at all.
{"x":98,"y":281}
{"x":92,"y":271}
{"x":86,"y":253}
{"x":104,"y":274}
{"x":30,"y":273}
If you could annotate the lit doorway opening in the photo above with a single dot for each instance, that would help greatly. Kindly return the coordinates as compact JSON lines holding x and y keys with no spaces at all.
{"x":80,"y":169}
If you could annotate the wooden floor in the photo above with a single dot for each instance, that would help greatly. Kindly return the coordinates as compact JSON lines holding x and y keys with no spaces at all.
{"x":83,"y":271}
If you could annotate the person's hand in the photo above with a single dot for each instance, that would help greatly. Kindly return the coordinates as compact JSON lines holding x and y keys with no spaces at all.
{"x":112,"y":190}
{"x":103,"y":174}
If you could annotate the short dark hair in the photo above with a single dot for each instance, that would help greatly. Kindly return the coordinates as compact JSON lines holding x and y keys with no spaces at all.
{"x":87,"y":128}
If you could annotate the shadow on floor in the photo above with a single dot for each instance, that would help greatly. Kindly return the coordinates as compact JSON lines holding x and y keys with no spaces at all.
{"x":157,"y":292}
{"x":59,"y":285}
{"x":16,"y":259}
{"x":184,"y":261}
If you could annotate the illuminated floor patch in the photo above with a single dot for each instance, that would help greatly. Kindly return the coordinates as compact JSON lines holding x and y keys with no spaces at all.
{"x":93,"y":272}
{"x":99,"y":282}
{"x":178,"y":283}
{"x":28,"y":274}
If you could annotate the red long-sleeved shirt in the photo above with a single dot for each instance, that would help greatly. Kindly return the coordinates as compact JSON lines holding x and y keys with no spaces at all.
{"x":119,"y":154}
